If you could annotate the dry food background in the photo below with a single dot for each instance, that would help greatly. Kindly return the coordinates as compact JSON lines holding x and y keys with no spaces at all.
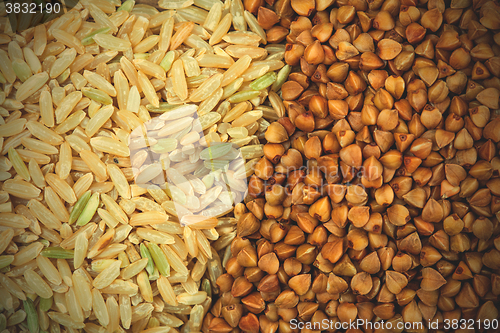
{"x":367,"y":131}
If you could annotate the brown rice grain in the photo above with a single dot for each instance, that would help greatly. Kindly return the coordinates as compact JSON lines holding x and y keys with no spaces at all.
{"x":114,"y":209}
{"x":81,"y":284}
{"x":98,"y":120}
{"x":41,"y":132}
{"x":122,"y":88}
{"x":81,"y":247}
{"x":134,"y":268}
{"x":166,"y":291}
{"x":65,"y":320}
{"x":74,"y":308}
{"x":125,"y":311}
{"x":56,"y":205}
{"x":106,"y":277}
{"x":62,"y":62}
{"x":166,"y":31}
{"x":184,"y":30}
{"x":27,"y":155}
{"x":154,"y":236}
{"x":146,"y":218}
{"x":110,"y":145}
{"x":174,"y":260}
{"x":12,"y":220}
{"x":114,"y":314}
{"x":99,"y":83}
{"x":146,"y":44}
{"x":83,"y":184}
{"x":31,"y":85}
{"x":100,"y":309}
{"x":59,"y":301}
{"x":101,"y":18}
{"x":64,"y":271}
{"x":21,"y":189}
{"x":179,"y":79}
{"x":6,"y":67}
{"x":221,"y":30}
{"x":40,"y":39}
{"x":68,"y":40}
{"x":107,"y":217}
{"x":19,"y":270}
{"x":14,"y":127}
{"x":66,"y":106}
{"x":39,"y":286}
{"x":88,"y":230}
{"x":63,"y":167}
{"x":27,"y":254}
{"x":100,"y":243}
{"x":77,"y":142}
{"x":6,"y":237}
{"x":213,"y":17}
{"x":95,"y":164}
{"x":61,"y":187}
{"x":39,"y":146}
{"x":145,"y":286}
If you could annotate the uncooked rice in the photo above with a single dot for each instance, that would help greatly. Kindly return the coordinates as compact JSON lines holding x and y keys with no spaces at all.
{"x":92,"y":237}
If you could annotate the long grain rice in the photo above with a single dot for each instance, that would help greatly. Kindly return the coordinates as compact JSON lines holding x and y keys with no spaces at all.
{"x":100,"y":309}
{"x":12,"y":287}
{"x":39,"y":286}
{"x":74,"y":308}
{"x":48,"y":269}
{"x":43,"y":133}
{"x":106,"y":277}
{"x":12,"y":128}
{"x":61,"y":187}
{"x":82,"y":85}
{"x":81,"y":248}
{"x":27,"y":155}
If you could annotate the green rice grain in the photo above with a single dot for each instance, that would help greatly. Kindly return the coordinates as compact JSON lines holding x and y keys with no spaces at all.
{"x":6,"y":260}
{"x":45,"y":304}
{"x":3,"y":322}
{"x":57,"y":253}
{"x":168,"y":60}
{"x":160,"y":259}
{"x":97,"y":95}
{"x":31,"y":316}
{"x":155,"y":276}
{"x":145,"y":254}
{"x":88,"y":40}
{"x":243,"y":96}
{"x":264,"y":81}
{"x":79,"y":206}
{"x":206,"y":287}
{"x":281,"y":77}
{"x":89,"y":210}
{"x":127,"y":5}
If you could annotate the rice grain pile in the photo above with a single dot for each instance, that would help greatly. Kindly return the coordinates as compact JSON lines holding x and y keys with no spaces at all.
{"x":203,"y":182}
{"x":82,"y":243}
